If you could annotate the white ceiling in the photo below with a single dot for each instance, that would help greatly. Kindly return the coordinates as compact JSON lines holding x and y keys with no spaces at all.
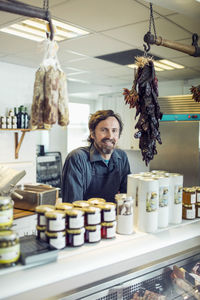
{"x":114,"y":26}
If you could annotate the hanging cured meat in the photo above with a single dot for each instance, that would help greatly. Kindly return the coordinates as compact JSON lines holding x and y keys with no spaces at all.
{"x":195,"y":91}
{"x":50,"y":98}
{"x":143,"y":96}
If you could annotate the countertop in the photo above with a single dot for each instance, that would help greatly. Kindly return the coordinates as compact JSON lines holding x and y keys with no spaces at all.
{"x":90,"y":263}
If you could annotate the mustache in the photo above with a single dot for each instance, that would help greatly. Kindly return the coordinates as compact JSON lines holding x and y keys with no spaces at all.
{"x":110,"y":140}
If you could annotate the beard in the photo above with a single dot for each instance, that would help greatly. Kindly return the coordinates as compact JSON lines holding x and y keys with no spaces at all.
{"x":105,"y":146}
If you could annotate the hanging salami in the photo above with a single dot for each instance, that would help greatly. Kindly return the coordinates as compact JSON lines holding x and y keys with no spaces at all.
{"x":50,"y":98}
{"x":143,"y":96}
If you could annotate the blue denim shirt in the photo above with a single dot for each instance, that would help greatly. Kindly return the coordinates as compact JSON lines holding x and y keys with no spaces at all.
{"x":77,"y":171}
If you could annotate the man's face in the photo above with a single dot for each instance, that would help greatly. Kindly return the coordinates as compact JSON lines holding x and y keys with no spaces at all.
{"x":106,"y":136}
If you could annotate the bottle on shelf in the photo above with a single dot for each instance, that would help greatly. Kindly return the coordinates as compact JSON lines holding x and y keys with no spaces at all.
{"x":26,"y":118}
{"x":19,"y":121}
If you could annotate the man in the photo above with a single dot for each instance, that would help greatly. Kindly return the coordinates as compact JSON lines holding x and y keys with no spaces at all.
{"x":98,"y":170}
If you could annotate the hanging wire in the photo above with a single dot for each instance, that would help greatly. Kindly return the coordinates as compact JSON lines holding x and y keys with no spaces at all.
{"x":151,"y":23}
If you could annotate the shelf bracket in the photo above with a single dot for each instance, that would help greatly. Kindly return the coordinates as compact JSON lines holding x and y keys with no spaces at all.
{"x":18,"y":143}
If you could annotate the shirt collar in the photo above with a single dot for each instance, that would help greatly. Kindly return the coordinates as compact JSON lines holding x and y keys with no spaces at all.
{"x":95,"y":155}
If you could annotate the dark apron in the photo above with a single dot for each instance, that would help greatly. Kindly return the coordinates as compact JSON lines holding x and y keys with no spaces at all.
{"x":104,"y":186}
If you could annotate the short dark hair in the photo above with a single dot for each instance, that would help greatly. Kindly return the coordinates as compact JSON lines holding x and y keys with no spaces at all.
{"x":101,"y":115}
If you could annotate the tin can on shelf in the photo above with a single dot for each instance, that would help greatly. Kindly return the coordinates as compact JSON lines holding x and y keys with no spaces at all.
{"x":41,"y":210}
{"x":9,"y":248}
{"x":93,"y":233}
{"x":75,"y":237}
{"x":56,"y":239}
{"x":56,"y":220}
{"x":108,"y":230}
{"x":6,"y":212}
{"x":189,"y":212}
{"x":74,"y":218}
{"x":189,"y":196}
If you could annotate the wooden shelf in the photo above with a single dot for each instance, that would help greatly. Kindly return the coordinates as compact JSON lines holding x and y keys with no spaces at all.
{"x":18,"y":142}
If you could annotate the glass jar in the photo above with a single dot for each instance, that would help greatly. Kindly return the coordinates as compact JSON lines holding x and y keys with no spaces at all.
{"x":75,"y":237}
{"x":56,"y":239}
{"x":56,"y":220}
{"x":96,"y":201}
{"x":81,"y":204}
{"x":108,"y":230}
{"x":108,"y":211}
{"x":41,"y":210}
{"x":92,"y":215}
{"x":74,"y":218}
{"x":198,"y":194}
{"x":189,"y":196}
{"x":92,"y":234}
{"x":6,"y":212}
{"x":41,"y":233}
{"x":197,"y":206}
{"x":9,"y":248}
{"x":189,"y":212}
{"x":64,"y":206}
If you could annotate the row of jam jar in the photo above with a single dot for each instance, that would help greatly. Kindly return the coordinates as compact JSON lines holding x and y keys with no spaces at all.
{"x":191,"y":203}
{"x":69,"y":224}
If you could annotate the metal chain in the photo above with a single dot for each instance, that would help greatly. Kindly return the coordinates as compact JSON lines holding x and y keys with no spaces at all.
{"x":46,"y":4}
{"x":152,"y":20}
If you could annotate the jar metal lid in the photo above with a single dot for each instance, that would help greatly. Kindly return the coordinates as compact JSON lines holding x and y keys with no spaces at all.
{"x":189,"y":205}
{"x":55,"y":234}
{"x":74,"y":212}
{"x":41,"y":228}
{"x":92,"y":227}
{"x":8,"y":235}
{"x":197,"y":203}
{"x":108,"y":224}
{"x":91,"y":209}
{"x":64,"y":205}
{"x":5,"y":200}
{"x":81,"y":203}
{"x":107,"y":206}
{"x":189,"y":190}
{"x":44,"y":208}
{"x":76,"y":231}
{"x":55,"y":214}
{"x":96,"y":201}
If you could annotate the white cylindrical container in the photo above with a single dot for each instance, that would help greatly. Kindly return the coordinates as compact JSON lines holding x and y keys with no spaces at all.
{"x":125,"y":219}
{"x":132,"y":190}
{"x":163,"y":208}
{"x":175,"y":198}
{"x":148,"y":192}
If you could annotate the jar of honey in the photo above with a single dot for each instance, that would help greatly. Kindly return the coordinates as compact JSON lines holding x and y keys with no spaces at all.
{"x":56,"y":220}
{"x":108,"y":230}
{"x":93,"y":233}
{"x":198,"y":194}
{"x":74,"y":218}
{"x":41,"y":233}
{"x":92,"y":215}
{"x":56,"y":239}
{"x":189,"y":196}
{"x":75,"y":237}
{"x":108,"y":211}
{"x":189,"y":212}
{"x":41,"y":210}
{"x":197,"y":206}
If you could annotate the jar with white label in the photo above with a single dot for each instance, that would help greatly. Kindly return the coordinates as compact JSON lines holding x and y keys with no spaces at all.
{"x":92,"y":215}
{"x":75,"y":237}
{"x":108,"y":230}
{"x":189,"y":212}
{"x":56,"y":239}
{"x":189,"y":196}
{"x":74,"y":218}
{"x":197,"y":207}
{"x":9,"y":248}
{"x":41,"y":210}
{"x":108,"y":211}
{"x":93,"y":233}
{"x":41,"y":233}
{"x":56,"y":220}
{"x":198,"y":194}
{"x":96,"y":201}
{"x":124,"y":214}
{"x":6,"y":212}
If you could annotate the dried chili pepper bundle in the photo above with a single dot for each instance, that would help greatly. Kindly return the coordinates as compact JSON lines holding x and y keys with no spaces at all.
{"x":143,"y":96}
{"x":195,"y":91}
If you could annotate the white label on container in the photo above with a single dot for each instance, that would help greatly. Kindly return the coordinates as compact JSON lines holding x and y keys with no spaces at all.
{"x":109,"y":216}
{"x":198,"y":197}
{"x":76,"y":222}
{"x":93,"y":219}
{"x":78,"y":239}
{"x":193,"y":198}
{"x":151,"y":202}
{"x":6,"y":216}
{"x":10,"y":253}
{"x":111,"y":232}
{"x":95,"y":236}
{"x":43,"y":236}
{"x":58,"y":243}
{"x":190,"y":213}
{"x":198,"y":212}
{"x":56,"y":225}
{"x":42,"y":220}
{"x":178,"y":193}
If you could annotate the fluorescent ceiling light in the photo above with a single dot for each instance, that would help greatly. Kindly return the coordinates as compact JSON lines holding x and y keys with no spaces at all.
{"x":35,"y":29}
{"x":162,"y":65}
